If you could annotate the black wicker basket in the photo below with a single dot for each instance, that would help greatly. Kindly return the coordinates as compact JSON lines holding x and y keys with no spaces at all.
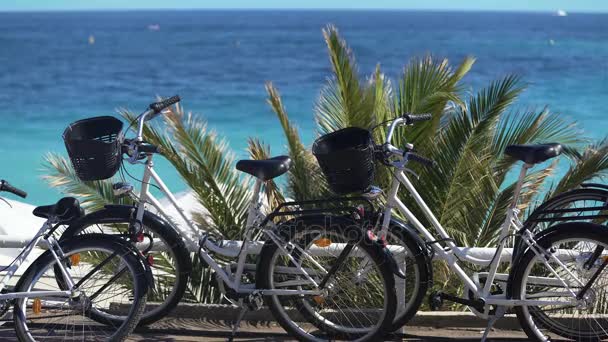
{"x":94,"y":147}
{"x":346,"y":158}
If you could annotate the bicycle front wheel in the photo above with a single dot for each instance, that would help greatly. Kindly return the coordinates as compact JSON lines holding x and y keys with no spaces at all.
{"x":105,"y":271}
{"x":572,"y":257}
{"x":168,"y":257}
{"x":356,"y":297}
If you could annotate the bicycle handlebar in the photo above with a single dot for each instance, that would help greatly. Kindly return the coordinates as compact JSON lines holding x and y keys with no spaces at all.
{"x":5,"y":186}
{"x":420,"y":159}
{"x":407,"y":119}
{"x":153,"y":110}
{"x":413,"y":118}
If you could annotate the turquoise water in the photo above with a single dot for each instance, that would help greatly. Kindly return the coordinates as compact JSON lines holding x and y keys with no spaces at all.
{"x":218,"y":62}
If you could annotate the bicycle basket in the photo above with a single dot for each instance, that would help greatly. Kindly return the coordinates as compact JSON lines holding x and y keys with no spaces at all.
{"x":94,"y":147}
{"x":346,"y":158}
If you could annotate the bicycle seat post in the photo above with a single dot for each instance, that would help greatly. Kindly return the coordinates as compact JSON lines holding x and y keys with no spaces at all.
{"x":520,"y":184}
{"x":255,"y":203}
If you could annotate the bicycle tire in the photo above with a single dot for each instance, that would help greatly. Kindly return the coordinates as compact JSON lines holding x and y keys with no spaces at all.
{"x":77,"y":245}
{"x":422,"y":274}
{"x":183,"y":261}
{"x":535,"y":322}
{"x":264,"y":280}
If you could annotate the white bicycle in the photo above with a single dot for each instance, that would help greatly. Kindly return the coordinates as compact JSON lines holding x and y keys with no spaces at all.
{"x":321,"y":279}
{"x":89,"y":287}
{"x":556,"y":284}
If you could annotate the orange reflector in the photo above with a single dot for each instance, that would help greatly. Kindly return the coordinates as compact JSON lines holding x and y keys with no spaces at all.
{"x":150,"y":260}
{"x":75,"y":259}
{"x":37,"y":306}
{"x":322,"y":242}
{"x":318,"y":299}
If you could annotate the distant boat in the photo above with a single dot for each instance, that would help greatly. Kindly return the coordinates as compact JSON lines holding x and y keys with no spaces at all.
{"x":91,"y":39}
{"x":154,"y":27}
{"x":561,"y":13}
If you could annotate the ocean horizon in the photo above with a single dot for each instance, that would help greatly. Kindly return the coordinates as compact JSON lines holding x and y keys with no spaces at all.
{"x":61,"y":66}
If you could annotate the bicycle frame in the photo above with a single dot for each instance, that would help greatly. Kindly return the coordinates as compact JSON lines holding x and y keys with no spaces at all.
{"x":199,"y":240}
{"x":52,"y":246}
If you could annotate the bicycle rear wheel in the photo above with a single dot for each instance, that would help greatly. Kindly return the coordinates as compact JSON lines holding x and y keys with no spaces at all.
{"x":93,"y":263}
{"x":357,"y":299}
{"x":582,"y":251}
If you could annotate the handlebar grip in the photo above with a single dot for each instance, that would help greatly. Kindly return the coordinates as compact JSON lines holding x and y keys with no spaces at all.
{"x":157,"y":107}
{"x":148,"y":148}
{"x":420,"y":159}
{"x":413,"y":118}
{"x":5,"y":186}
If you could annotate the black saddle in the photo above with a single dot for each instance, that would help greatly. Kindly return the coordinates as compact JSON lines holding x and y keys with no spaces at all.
{"x":534,"y":154}
{"x":265,"y":169}
{"x":65,"y":210}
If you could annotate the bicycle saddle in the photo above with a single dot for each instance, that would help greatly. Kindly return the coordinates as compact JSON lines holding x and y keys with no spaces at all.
{"x":66,"y":209}
{"x":534,"y":154}
{"x":265,"y":169}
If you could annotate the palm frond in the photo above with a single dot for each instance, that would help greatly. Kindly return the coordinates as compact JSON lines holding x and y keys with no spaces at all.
{"x":343,"y":101}
{"x":305,"y":180}
{"x":591,"y":164}
{"x":93,"y":195}
{"x":426,"y":86}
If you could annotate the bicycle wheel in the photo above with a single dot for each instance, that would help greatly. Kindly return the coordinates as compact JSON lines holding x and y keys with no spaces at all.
{"x":358,"y":299}
{"x":169,"y":258}
{"x":412,"y":263}
{"x":581,"y":205}
{"x":93,"y":261}
{"x":540,"y":277}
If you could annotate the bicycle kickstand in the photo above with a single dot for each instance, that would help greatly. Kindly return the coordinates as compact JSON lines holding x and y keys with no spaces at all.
{"x":500,"y":311}
{"x":237,"y":323}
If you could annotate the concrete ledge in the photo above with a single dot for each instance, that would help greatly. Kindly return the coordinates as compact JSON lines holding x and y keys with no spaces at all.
{"x":435,"y":319}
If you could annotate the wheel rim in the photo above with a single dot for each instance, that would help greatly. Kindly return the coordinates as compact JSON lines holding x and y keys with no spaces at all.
{"x":586,"y":322}
{"x":71,"y":319}
{"x":330,"y":315}
{"x":163,"y":268}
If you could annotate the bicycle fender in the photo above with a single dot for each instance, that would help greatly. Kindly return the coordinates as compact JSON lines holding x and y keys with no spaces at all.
{"x":408,"y":233}
{"x":599,"y":229}
{"x":114,"y":213}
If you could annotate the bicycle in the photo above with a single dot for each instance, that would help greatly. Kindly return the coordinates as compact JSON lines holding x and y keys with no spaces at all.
{"x":309,"y":276}
{"x":165,"y":251}
{"x":553,"y":282}
{"x":69,"y":291}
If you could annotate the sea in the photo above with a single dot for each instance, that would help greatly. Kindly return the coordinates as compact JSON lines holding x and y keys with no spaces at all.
{"x":58,"y":67}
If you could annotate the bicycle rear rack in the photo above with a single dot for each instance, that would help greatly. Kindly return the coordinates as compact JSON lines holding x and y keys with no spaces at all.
{"x":313,"y":207}
{"x":557,"y":214}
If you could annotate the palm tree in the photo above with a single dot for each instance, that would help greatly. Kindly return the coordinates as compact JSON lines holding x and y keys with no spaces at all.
{"x":469,"y":188}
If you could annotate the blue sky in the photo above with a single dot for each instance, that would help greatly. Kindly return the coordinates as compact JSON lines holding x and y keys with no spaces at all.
{"x":503,"y":5}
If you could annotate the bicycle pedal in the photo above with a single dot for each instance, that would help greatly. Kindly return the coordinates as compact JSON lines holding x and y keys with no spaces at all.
{"x":435,"y":301}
